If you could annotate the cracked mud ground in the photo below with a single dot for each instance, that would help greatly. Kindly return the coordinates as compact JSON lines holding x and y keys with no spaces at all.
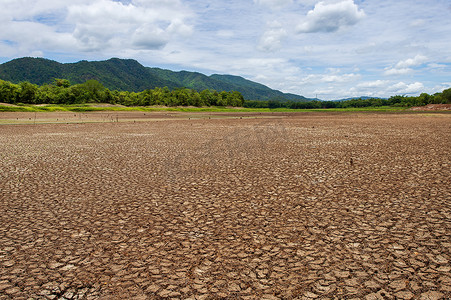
{"x":301,"y":206}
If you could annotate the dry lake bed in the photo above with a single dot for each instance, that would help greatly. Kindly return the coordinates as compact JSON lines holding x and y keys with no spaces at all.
{"x":237,"y":206}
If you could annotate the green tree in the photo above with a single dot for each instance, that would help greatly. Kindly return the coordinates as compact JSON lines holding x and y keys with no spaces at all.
{"x":206,"y":97}
{"x":423,"y":99}
{"x":222,"y":99}
{"x":94,"y":90}
{"x":446,"y":95}
{"x":27,"y":93}
{"x":157,"y":96}
{"x":215,"y":98}
{"x":196,"y":99}
{"x":61,"y":82}
{"x":181,"y":97}
{"x":8,"y":92}
{"x":236,"y":99}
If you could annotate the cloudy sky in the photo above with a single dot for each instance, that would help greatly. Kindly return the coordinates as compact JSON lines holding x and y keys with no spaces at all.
{"x":331,"y":48}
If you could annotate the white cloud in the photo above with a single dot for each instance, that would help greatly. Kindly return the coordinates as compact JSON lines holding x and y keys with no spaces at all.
{"x":25,"y":9}
{"x":178,"y":27}
{"x":331,"y":17}
{"x":440,"y":87}
{"x":386,"y":88}
{"x":106,"y":23}
{"x":225,"y":33}
{"x":418,"y":23}
{"x":340,"y":78}
{"x":395,"y":71}
{"x":411,"y":62}
{"x":149,"y":37}
{"x":273,"y":3}
{"x":28,"y":28}
{"x":404,"y":66}
{"x":414,"y":88}
{"x":404,"y":88}
{"x":272,"y":39}
{"x":437,"y":66}
{"x":373,"y":84}
{"x":329,"y":78}
{"x":99,"y":25}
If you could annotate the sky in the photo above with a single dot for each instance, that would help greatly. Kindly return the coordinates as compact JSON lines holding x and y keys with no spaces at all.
{"x":330,"y":49}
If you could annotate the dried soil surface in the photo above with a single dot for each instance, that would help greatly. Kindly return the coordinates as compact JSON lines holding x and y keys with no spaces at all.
{"x":432,"y":107}
{"x":287,"y":206}
{"x":120,"y":116}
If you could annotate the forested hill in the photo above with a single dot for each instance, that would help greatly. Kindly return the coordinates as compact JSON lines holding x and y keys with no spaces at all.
{"x":130,"y":75}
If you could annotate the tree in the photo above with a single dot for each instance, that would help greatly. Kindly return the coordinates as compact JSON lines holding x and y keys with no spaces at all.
{"x":61,"y":82}
{"x":215,"y":98}
{"x":181,"y":97}
{"x":94,"y":90}
{"x":61,"y":92}
{"x":222,"y":99}
{"x":8,"y":92}
{"x":27,"y":93}
{"x":423,"y":99}
{"x":237,"y":99}
{"x":206,"y":97}
{"x":446,"y":95}
{"x":196,"y":100}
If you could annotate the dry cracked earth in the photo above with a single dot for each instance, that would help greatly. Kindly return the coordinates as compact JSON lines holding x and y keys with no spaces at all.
{"x":286,"y":206}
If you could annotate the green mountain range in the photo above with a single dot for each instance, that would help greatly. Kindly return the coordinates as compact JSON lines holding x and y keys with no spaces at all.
{"x":130,"y":75}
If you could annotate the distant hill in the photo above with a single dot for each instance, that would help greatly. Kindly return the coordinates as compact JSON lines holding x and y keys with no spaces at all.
{"x":130,"y":75}
{"x":255,"y":89}
{"x":359,"y":98}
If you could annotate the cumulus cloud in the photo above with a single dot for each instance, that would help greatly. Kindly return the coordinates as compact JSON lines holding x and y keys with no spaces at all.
{"x":149,"y":37}
{"x":382,"y":88}
{"x":440,"y":87}
{"x":271,"y":39}
{"x":29,"y":27}
{"x":404,"y":88}
{"x":106,"y":23}
{"x":99,"y":25}
{"x":373,"y":84}
{"x":412,"y":62}
{"x":331,"y":17}
{"x":179,"y":27}
{"x":404,"y":66}
{"x":395,"y":71}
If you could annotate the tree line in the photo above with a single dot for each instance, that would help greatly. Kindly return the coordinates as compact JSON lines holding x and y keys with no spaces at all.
{"x":92,"y":91}
{"x":395,"y":101}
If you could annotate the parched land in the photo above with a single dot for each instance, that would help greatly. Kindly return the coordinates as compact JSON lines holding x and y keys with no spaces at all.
{"x":210,"y":206}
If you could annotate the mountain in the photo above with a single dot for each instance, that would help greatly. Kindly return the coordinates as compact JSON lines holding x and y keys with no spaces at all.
{"x":36,"y":70}
{"x":115,"y":74}
{"x":255,"y":89}
{"x":130,"y":75}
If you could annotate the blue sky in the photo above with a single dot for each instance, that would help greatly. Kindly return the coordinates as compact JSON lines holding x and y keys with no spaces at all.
{"x":331,"y":49}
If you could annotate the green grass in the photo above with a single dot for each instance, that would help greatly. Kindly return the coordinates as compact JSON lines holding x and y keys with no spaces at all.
{"x":93,"y":108}
{"x":4,"y":108}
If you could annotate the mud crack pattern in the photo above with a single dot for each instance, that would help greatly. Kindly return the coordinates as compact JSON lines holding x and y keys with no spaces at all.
{"x":296,"y":206}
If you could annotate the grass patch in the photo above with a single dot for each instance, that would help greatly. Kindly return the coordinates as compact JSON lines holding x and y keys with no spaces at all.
{"x":7,"y":108}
